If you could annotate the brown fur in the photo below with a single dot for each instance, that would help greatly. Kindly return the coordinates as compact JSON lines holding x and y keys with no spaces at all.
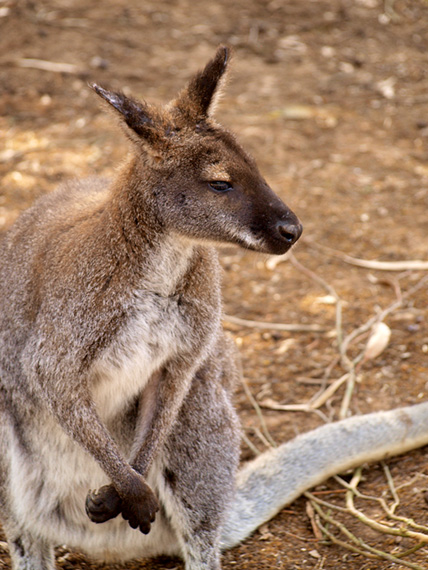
{"x":114,"y":289}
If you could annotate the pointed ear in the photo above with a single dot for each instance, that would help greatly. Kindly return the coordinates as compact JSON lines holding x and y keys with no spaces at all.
{"x":142,"y":121}
{"x":198,"y":99}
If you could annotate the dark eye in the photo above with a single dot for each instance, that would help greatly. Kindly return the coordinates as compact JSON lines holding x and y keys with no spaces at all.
{"x":220,"y":186}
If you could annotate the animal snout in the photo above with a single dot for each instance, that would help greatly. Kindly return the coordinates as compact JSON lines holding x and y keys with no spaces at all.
{"x":289,"y":231}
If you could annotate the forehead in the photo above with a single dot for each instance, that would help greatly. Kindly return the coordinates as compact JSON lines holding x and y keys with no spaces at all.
{"x":218,"y":150}
{"x":215,"y":171}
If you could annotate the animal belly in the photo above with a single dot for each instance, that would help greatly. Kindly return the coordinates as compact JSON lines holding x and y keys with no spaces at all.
{"x":49,"y":488}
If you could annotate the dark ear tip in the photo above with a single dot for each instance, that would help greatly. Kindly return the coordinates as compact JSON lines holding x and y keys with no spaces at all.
{"x":116,"y":100}
{"x":98,"y":89}
{"x":224,"y":53}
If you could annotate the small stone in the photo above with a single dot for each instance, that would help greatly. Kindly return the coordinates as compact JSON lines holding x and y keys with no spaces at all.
{"x":98,"y":62}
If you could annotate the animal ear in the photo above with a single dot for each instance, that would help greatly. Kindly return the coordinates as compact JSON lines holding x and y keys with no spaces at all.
{"x":198,"y":99}
{"x":141,"y":120}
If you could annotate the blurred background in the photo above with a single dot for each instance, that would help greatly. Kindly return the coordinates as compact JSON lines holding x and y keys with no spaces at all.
{"x":331,"y":97}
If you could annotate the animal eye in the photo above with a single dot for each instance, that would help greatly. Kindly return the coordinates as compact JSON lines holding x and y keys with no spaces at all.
{"x":220,"y":186}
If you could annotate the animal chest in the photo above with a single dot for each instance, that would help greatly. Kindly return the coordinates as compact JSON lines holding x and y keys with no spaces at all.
{"x":160,"y":329}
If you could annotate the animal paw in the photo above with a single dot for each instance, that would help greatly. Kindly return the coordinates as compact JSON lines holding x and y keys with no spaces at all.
{"x":103,"y":504}
{"x":140,"y":511}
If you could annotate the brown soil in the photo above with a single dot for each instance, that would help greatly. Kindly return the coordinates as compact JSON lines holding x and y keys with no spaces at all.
{"x":332,"y":99}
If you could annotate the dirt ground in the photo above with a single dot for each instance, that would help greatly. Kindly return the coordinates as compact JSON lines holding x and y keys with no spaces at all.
{"x":331,"y":97}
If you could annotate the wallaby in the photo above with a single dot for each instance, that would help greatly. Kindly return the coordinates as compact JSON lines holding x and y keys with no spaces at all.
{"x":115,"y":373}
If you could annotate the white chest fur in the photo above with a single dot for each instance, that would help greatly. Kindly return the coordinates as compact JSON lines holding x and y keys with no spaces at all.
{"x":157,"y":331}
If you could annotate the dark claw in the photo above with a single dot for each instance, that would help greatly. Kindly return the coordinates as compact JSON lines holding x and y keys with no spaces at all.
{"x":145,"y":529}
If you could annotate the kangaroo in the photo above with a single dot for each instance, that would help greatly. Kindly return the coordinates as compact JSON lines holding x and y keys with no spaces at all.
{"x":115,"y":374}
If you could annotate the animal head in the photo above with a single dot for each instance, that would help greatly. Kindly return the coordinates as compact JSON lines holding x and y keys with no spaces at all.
{"x":206,"y":186}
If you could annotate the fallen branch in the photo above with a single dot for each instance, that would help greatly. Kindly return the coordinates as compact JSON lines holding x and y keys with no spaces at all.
{"x":259,"y":413}
{"x":331,"y":291}
{"x":272,"y":326}
{"x":270,"y":404}
{"x":360,"y":547}
{"x":250,"y":444}
{"x":404,"y":265}
{"x":352,"y":486}
{"x":401,"y":531}
{"x":410,"y":265}
{"x":52,"y":66}
{"x":368,"y":552}
{"x":311,"y":515}
{"x":322,"y":398}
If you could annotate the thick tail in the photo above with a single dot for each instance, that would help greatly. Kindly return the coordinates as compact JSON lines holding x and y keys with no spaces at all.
{"x":278,"y":476}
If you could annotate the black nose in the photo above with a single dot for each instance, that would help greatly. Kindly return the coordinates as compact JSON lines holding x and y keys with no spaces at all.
{"x":289,"y":232}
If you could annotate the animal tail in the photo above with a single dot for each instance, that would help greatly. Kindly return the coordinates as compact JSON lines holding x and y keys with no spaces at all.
{"x":277,"y":477}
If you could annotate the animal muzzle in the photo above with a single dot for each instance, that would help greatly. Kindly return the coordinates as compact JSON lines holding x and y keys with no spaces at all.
{"x":277,"y":237}
{"x":289,"y":231}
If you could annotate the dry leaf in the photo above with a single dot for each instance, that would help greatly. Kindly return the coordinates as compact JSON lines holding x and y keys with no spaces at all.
{"x":311,"y":515}
{"x":285,"y":345}
{"x":326,"y":300}
{"x":264,"y":532}
{"x":378,"y":341}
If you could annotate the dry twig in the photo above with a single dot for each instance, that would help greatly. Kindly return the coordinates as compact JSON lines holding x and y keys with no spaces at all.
{"x":272,"y":326}
{"x":386,"y":529}
{"x":403,"y":527}
{"x":405,"y":265}
{"x":259,"y":413}
{"x":45,"y":65}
